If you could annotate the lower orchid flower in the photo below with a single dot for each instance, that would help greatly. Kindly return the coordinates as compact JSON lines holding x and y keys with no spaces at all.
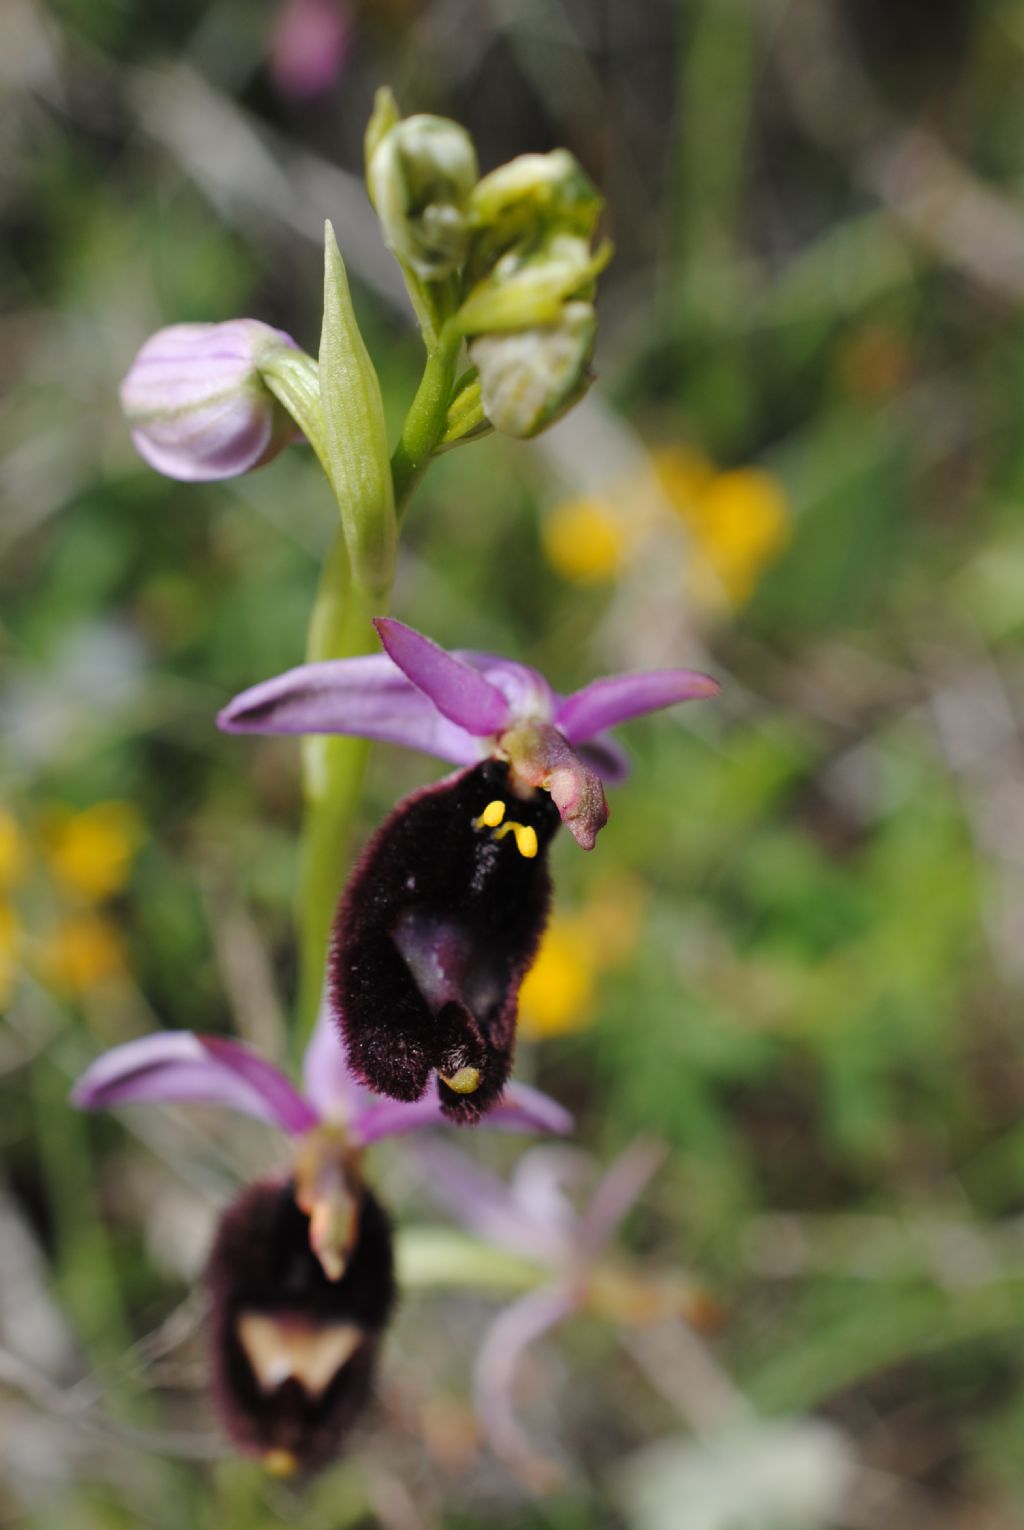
{"x":445,"y":911}
{"x":300,"y":1276}
{"x":533,"y":1218}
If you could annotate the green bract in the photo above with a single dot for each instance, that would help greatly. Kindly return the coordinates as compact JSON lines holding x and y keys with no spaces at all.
{"x":355,"y":447}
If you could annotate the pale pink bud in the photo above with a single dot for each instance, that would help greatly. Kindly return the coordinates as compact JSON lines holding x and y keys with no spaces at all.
{"x":197,"y":404}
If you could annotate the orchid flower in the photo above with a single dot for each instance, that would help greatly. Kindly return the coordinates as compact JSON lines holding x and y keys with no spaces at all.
{"x":301,"y":1272}
{"x":444,"y":913}
{"x":467,"y":707}
{"x":532,"y":1217}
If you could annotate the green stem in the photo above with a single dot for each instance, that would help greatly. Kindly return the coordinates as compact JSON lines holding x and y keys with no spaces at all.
{"x":333,"y":768}
{"x":425,"y":423}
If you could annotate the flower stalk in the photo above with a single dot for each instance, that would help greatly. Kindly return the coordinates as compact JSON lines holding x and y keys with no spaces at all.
{"x":427,"y":420}
{"x":333,"y":769}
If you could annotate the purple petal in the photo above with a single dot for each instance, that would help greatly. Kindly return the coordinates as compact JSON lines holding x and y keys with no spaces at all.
{"x":520,"y":1109}
{"x":484,"y":1204}
{"x":367,"y":696}
{"x":457,"y":690}
{"x":541,"y":1182}
{"x":618,"y":1191}
{"x":180,"y":1067}
{"x":604,"y":703}
{"x":326,"y":1079}
{"x":397,"y":1118}
{"x":606,"y":757}
{"x":525,"y":689}
{"x":507,"y":1340}
{"x":525,"y":1109}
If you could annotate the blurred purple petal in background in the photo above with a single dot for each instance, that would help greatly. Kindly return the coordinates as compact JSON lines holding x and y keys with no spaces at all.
{"x":309,"y":45}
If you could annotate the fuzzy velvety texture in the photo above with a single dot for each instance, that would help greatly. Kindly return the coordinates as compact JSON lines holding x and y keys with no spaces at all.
{"x":261,"y":1267}
{"x":435,"y":932}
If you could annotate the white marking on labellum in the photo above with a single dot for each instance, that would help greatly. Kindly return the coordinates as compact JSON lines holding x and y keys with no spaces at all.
{"x":280,"y":1348}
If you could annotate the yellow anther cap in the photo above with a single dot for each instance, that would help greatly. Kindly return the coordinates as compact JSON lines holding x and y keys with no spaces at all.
{"x":526,"y":840}
{"x":492,"y":815}
{"x":466,"y":1081}
{"x":280,"y":1463}
{"x":525,"y":837}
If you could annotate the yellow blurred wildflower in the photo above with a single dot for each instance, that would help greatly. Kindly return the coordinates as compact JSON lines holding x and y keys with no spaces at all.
{"x":90,"y":853}
{"x":13,"y":851}
{"x":10,"y":941}
{"x":684,"y":474}
{"x":737,"y":521}
{"x":83,"y":953}
{"x":559,"y":991}
{"x":614,"y":914}
{"x":584,"y":540}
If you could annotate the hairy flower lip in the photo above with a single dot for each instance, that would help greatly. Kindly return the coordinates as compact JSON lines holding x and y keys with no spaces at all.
{"x":292,"y":1347}
{"x":462,"y":707}
{"x":434,"y":933}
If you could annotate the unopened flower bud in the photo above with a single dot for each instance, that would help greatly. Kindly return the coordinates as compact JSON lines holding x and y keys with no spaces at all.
{"x":529,"y":286}
{"x":196,"y":402}
{"x":532,"y":194}
{"x":420,"y":173}
{"x":466,"y":419}
{"x":530,"y":377}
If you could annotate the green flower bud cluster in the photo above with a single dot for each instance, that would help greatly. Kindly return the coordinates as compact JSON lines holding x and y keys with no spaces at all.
{"x":507,"y":260}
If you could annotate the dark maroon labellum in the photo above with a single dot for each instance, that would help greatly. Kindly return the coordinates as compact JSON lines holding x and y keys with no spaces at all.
{"x":435,"y":932}
{"x":293,"y":1353}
